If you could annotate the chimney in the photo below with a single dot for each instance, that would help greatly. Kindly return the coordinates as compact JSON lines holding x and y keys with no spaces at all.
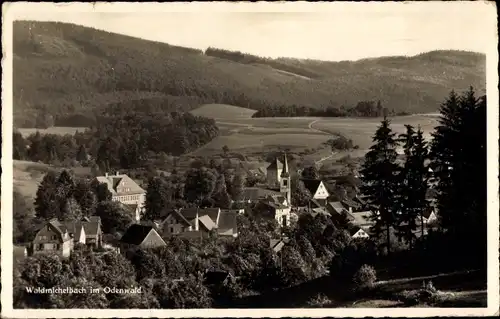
{"x":350,"y":209}
{"x":106,"y":174}
{"x":117,"y":173}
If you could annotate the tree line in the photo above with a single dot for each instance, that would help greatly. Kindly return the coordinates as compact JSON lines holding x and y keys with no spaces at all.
{"x":454,"y":161}
{"x":119,"y":139}
{"x":362,"y":109}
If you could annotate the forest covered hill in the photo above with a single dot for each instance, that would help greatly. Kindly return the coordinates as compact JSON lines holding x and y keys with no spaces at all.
{"x":65,"y":73}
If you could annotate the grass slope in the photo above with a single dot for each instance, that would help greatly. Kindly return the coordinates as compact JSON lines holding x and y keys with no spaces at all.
{"x":63,"y":68}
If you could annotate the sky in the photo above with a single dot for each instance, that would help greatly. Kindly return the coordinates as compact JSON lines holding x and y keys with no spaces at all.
{"x":333,"y":32}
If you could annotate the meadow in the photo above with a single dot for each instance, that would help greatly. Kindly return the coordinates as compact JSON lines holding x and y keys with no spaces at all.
{"x":59,"y":130}
{"x":258,"y":135}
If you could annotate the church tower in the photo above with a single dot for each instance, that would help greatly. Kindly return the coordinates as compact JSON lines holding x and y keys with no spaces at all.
{"x":285,"y":183}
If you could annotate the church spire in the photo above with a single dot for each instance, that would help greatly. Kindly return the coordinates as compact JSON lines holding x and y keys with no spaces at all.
{"x":285,"y":172}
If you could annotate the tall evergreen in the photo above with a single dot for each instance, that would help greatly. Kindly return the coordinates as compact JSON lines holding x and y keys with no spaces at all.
{"x":459,"y":162}
{"x":380,"y":179}
{"x":412,"y":201}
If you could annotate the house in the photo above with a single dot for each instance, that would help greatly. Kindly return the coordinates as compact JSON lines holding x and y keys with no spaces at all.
{"x":124,"y":190}
{"x":93,"y":231}
{"x":352,"y":205}
{"x":199,"y":222}
{"x":362,"y":219}
{"x":429,"y":216}
{"x":86,"y":231}
{"x":317,"y":189}
{"x":141,"y":236}
{"x":358,"y":233}
{"x":53,"y":238}
{"x":276,"y":207}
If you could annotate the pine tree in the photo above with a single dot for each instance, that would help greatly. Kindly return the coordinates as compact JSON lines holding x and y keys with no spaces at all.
{"x":413,"y":186}
{"x":458,"y":154}
{"x":82,"y":155}
{"x":380,"y":180}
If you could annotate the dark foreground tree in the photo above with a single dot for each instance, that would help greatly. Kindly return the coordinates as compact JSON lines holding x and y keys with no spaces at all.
{"x":380,"y":180}
{"x":458,"y":153}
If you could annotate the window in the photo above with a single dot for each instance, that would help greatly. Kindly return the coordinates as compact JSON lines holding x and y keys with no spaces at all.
{"x":58,"y":246}
{"x":53,"y":237}
{"x":40,"y":247}
{"x":285,"y":183}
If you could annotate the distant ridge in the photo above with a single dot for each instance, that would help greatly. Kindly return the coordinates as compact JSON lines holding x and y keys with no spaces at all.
{"x":63,"y":69}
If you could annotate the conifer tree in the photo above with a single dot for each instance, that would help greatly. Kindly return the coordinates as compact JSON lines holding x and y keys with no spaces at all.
{"x":412,"y":201}
{"x":47,"y":202}
{"x":380,"y":180}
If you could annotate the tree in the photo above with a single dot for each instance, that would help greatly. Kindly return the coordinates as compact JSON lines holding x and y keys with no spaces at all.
{"x":158,"y":198}
{"x":101,"y":191}
{"x":458,"y":153}
{"x":408,"y":205}
{"x":114,"y":217}
{"x":47,"y":203}
{"x":237,"y":183}
{"x":221,"y":196}
{"x":300,"y":194}
{"x":19,"y":150}
{"x":85,"y":196}
{"x":379,"y":179}
{"x":82,"y":155}
{"x":70,"y":210}
{"x":199,"y":185}
{"x":310,"y":172}
{"x":187,"y":293}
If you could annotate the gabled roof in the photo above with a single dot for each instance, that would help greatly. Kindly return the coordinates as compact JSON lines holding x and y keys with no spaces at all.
{"x":355,"y":229}
{"x":58,"y":227}
{"x":285,"y":172}
{"x":275,"y":165}
{"x":179,"y":217}
{"x":207,"y":222}
{"x":318,"y":203}
{"x":312,"y":185}
{"x":75,"y":228}
{"x":113,"y":181}
{"x":351,"y":203}
{"x":190,"y":213}
{"x":337,"y":207}
{"x":136,"y":234}
{"x":227,"y":223}
{"x":428,"y":212}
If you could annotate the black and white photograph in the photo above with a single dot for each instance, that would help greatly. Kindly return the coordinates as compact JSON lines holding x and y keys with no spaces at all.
{"x":242,"y":159}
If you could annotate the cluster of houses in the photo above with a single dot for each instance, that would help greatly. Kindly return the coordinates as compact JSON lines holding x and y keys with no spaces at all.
{"x":272,"y":200}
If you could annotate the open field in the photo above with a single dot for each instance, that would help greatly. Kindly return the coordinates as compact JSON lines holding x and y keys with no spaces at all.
{"x":59,"y":130}
{"x":250,"y":135}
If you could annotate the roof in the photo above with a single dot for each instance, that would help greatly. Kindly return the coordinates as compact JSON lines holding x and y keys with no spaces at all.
{"x":318,"y":202}
{"x":227,"y":223}
{"x":312,"y":185}
{"x":190,"y":213}
{"x":113,"y":181}
{"x":351,"y":203}
{"x":337,"y":207}
{"x":207,"y":222}
{"x":136,"y":234}
{"x":428,"y":212}
{"x":285,"y":172}
{"x":75,"y":228}
{"x":275,"y":165}
{"x":276,"y":244}
{"x":362,"y":218}
{"x":354,"y":230}
{"x":256,"y":193}
{"x":179,"y":217}
{"x":58,"y":227}
{"x":274,"y":205}
{"x":19,"y":251}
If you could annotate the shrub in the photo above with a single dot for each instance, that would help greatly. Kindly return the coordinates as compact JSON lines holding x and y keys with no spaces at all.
{"x":365,"y":277}
{"x":319,"y":301}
